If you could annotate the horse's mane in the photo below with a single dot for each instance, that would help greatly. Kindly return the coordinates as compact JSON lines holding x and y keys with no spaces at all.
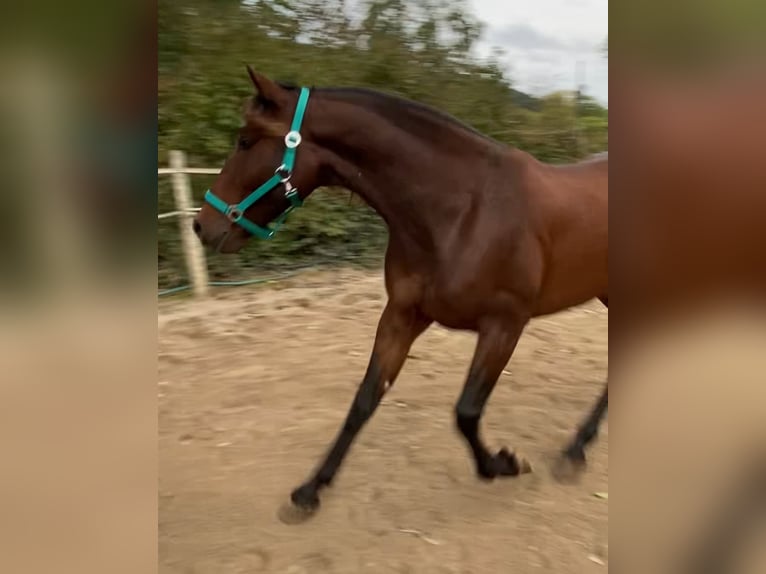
{"x":400,"y":110}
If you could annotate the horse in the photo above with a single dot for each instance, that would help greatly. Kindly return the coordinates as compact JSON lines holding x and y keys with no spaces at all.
{"x":481,"y":237}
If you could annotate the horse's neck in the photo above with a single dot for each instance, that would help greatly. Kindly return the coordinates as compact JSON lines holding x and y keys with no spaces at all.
{"x":414,"y":184}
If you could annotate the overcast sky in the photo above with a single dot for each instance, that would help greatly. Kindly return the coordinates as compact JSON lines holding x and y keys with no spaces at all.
{"x":545,"y":39}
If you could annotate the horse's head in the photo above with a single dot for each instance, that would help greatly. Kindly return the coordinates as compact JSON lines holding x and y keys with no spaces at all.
{"x":273,"y":168}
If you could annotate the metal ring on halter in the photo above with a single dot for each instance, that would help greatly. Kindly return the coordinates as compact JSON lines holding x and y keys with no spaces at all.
{"x":293,"y":139}
{"x":234,"y":214}
{"x":283,"y":173}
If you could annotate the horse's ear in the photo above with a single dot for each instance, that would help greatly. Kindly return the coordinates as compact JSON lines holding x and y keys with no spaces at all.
{"x":267,"y":90}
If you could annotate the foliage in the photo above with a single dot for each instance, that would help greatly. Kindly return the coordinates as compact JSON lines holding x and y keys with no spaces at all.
{"x":689,"y":37}
{"x":421,"y":50}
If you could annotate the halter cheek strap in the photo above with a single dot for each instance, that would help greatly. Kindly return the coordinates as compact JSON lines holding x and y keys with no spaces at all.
{"x":282,"y":175}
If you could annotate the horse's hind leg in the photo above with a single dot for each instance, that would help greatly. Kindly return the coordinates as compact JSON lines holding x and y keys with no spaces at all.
{"x":572,"y":459}
{"x":493,"y":350}
{"x":575,"y":451}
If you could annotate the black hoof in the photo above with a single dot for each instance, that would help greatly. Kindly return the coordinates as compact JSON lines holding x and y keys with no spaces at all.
{"x":305,"y":503}
{"x":305,"y":497}
{"x":504,"y":463}
{"x":569,"y":466}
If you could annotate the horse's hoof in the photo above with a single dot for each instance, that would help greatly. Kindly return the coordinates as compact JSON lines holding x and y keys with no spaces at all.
{"x":291,"y":514}
{"x":568,"y":469}
{"x":509,"y":464}
{"x":306,"y":498}
{"x":305,"y":503}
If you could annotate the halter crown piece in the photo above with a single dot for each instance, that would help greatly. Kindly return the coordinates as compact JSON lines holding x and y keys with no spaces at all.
{"x":282,"y":175}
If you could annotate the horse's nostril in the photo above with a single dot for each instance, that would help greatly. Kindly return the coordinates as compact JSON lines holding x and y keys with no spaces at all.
{"x":196,"y":227}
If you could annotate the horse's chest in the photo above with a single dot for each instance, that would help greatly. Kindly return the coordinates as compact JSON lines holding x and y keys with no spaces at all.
{"x":452,"y":295}
{"x":450,"y":302}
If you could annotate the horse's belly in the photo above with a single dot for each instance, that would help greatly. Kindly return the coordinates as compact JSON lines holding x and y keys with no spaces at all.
{"x":571,"y":284}
{"x":558,"y":302}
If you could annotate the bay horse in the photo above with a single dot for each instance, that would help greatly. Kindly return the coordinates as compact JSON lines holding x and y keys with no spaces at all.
{"x":482,"y":237}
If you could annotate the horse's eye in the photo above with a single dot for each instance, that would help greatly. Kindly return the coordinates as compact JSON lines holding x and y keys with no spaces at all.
{"x":244,"y":143}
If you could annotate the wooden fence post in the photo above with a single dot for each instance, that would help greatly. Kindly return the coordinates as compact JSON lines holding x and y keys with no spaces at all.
{"x":193,"y":251}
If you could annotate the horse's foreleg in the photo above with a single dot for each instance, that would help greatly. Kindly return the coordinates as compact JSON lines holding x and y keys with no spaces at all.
{"x":397,"y":330}
{"x":493,"y":351}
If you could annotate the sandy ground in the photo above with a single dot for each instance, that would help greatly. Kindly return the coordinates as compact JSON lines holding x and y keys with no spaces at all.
{"x":254,"y":383}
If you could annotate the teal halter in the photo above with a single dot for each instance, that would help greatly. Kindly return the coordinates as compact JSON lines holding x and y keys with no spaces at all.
{"x":282,"y":175}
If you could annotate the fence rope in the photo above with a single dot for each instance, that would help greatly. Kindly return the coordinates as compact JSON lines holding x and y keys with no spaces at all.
{"x":182,"y":288}
{"x":290,"y":272}
{"x":278,"y":277}
{"x":189,"y":170}
{"x":178,"y":212}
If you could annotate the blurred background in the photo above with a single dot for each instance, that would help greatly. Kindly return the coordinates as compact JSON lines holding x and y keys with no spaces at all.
{"x":78,"y":136}
{"x":534,"y":77}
